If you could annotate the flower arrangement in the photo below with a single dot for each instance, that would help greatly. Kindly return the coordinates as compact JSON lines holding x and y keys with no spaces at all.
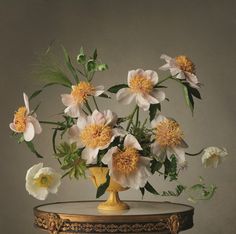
{"x":130,"y":149}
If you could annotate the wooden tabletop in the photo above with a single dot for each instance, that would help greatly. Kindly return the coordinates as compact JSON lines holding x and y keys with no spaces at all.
{"x":142,"y":217}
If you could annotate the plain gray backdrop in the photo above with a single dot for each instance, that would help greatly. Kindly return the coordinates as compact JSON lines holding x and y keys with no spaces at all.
{"x":129,"y":35}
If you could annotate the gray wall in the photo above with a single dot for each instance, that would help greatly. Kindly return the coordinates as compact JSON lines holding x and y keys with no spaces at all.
{"x":128,"y":34}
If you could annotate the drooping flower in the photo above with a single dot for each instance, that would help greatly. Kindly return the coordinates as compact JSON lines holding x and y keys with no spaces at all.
{"x":127,"y":166}
{"x":168,"y":139}
{"x":213,"y":156}
{"x":181,"y":67}
{"x":79,"y":94}
{"x":24,"y":122}
{"x":141,"y":88}
{"x":95,"y":133}
{"x":40,"y":181}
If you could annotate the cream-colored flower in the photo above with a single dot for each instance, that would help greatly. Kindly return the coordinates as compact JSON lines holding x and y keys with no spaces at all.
{"x":24,"y":122}
{"x":213,"y":156}
{"x":95,"y":133}
{"x":168,"y":139}
{"x":141,"y":88}
{"x":79,"y":94}
{"x":181,"y":67}
{"x":127,"y":166}
{"x":40,"y":181}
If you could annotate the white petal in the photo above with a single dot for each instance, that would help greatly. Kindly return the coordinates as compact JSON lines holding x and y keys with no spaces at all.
{"x":74,"y":136}
{"x":35,"y":122}
{"x":131,"y":74}
{"x":157,"y":120}
{"x":192,"y":80}
{"x":180,"y":154}
{"x":99,"y":90}
{"x":131,"y":141}
{"x":67,"y":99}
{"x":90,"y":155}
{"x":26,"y":101}
{"x":150,"y":99}
{"x":29,"y":132}
{"x":152,"y":75}
{"x":12,"y":127}
{"x":142,"y":103}
{"x":81,"y":122}
{"x":55,"y":183}
{"x":118,"y":132}
{"x":98,"y":117}
{"x":111,"y":117}
{"x":166,"y":57}
{"x":125,"y":96}
{"x":165,"y":67}
{"x":74,"y":111}
{"x":155,"y":147}
{"x":183,"y":144}
{"x":178,"y":73}
{"x":108,"y":156}
{"x":33,"y":170}
{"x":159,"y":95}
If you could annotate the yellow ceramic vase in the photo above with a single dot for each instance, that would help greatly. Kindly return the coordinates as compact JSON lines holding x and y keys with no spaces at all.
{"x":113,"y":203}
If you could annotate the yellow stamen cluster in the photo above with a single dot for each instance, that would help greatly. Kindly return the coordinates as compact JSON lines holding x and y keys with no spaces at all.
{"x":81,"y":91}
{"x":125,"y":161}
{"x":20,"y":119}
{"x":43,"y":181}
{"x":185,"y":64}
{"x":141,"y":84}
{"x":96,"y":135}
{"x":168,"y":133}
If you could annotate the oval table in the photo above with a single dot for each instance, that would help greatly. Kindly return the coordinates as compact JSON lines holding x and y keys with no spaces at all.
{"x":142,"y":217}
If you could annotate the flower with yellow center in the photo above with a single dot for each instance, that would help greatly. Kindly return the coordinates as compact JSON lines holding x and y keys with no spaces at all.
{"x":168,"y":139}
{"x":94,"y":133}
{"x":141,"y":88}
{"x":25,"y":123}
{"x":40,"y":181}
{"x":127,"y":167}
{"x":213,"y":156}
{"x":78,"y":96}
{"x":182,"y":68}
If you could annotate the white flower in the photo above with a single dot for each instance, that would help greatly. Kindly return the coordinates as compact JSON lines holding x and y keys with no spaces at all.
{"x":127,"y":166}
{"x":40,"y":181}
{"x":141,"y":88}
{"x":95,"y":133}
{"x":181,"y":67}
{"x":168,"y":139}
{"x":213,"y":156}
{"x":25,"y":123}
{"x":79,"y":94}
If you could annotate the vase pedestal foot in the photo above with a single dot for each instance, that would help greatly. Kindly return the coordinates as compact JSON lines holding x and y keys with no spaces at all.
{"x":113,"y":203}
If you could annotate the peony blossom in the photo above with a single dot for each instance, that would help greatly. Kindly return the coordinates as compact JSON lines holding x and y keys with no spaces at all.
{"x":181,"y":67}
{"x":141,"y":88}
{"x":24,"y":122}
{"x":40,"y":181}
{"x":127,"y":166}
{"x":95,"y":132}
{"x":168,"y":139}
{"x":213,"y":156}
{"x":78,"y":96}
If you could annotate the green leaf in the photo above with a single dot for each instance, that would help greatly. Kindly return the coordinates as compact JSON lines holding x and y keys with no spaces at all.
{"x":171,"y":168}
{"x":116,"y":88}
{"x":178,"y":191}
{"x":95,"y":54}
{"x":103,"y":187}
{"x":35,"y":94}
{"x":155,"y":166}
{"x":188,"y":98}
{"x":150,"y":189}
{"x":104,"y":95}
{"x":32,"y":149}
{"x":69,"y":65}
{"x":142,"y":190}
{"x":194,"y":92}
{"x":153,"y":110}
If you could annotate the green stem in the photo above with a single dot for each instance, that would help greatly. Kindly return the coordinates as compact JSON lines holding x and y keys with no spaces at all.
{"x":160,"y":82}
{"x":88,"y":107}
{"x":96,"y":105}
{"x":196,"y":154}
{"x":137,"y":117}
{"x":131,"y":118}
{"x":49,"y":122}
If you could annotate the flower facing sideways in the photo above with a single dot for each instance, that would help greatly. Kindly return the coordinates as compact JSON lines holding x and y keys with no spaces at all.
{"x":40,"y":181}
{"x":213,"y":156}
{"x":78,"y":96}
{"x":181,"y":67}
{"x":127,"y":166}
{"x":94,"y":133}
{"x":141,"y":88}
{"x":25,"y":123}
{"x":168,"y":139}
